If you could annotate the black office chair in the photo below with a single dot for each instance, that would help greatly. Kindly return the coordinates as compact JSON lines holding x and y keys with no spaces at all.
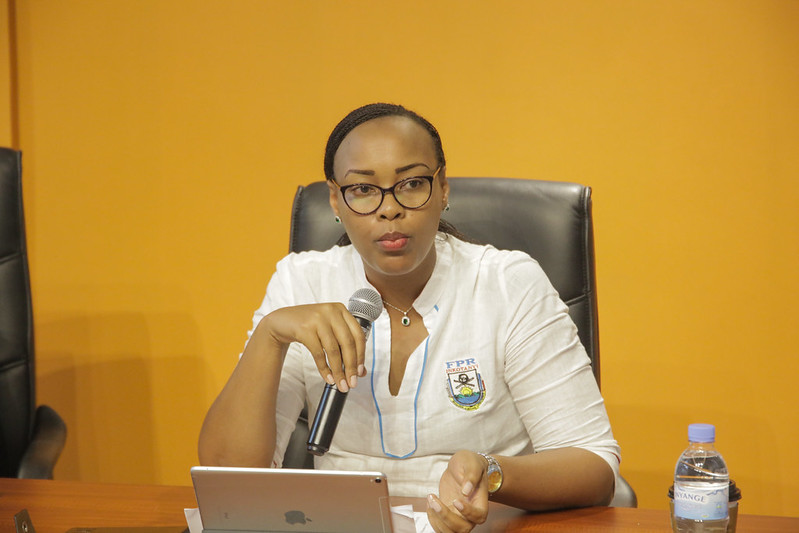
{"x":551,"y":221}
{"x":31,"y":439}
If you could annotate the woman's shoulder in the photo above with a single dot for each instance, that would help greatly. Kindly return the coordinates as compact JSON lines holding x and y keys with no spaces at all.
{"x":315,"y":269}
{"x":487,"y":256}
{"x":509,"y":272}
{"x":317,"y":276}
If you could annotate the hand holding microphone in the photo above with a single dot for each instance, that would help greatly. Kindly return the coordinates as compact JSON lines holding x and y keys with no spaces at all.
{"x":365,"y":305}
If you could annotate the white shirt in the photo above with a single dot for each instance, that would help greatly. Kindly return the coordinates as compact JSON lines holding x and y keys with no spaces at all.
{"x":502,"y":370}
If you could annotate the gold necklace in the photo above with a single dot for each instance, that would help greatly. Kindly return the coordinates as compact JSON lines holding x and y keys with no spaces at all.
{"x":406,"y":320}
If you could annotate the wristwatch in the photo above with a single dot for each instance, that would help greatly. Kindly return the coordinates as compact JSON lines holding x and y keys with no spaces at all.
{"x":493,"y":474}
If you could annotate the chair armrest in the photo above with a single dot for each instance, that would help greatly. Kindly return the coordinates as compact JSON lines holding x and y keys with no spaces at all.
{"x":625,"y":495}
{"x":49,"y":436}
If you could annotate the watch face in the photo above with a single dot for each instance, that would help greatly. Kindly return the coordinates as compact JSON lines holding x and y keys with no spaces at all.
{"x":494,"y":478}
{"x":493,"y":474}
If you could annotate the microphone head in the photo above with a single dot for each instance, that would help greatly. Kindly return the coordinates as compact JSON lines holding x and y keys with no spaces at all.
{"x":366,"y":303}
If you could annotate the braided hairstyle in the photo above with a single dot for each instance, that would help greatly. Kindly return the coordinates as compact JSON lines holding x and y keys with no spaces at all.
{"x":370,"y":112}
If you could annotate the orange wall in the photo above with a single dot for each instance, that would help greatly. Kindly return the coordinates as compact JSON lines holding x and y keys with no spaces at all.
{"x":6,"y":137}
{"x":163,"y":141}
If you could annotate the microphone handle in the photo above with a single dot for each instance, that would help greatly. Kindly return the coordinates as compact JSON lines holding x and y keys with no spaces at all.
{"x":326,"y":420}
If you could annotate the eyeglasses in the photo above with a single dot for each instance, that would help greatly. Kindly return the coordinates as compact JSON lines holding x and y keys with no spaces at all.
{"x":410,"y":193}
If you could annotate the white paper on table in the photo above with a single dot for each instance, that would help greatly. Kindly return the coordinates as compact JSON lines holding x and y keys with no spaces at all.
{"x":193,"y":520}
{"x":420,"y":520}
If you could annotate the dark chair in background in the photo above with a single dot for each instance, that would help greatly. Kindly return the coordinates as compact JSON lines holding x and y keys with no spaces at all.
{"x":31,"y":439}
{"x":551,"y":221}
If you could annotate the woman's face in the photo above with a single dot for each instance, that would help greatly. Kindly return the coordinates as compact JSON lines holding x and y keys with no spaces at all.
{"x":392,"y":241}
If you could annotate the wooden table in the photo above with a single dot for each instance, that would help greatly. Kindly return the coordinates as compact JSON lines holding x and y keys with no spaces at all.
{"x":56,"y":506}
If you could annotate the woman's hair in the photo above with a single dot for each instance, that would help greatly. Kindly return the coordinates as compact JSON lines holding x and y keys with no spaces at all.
{"x":370,"y":112}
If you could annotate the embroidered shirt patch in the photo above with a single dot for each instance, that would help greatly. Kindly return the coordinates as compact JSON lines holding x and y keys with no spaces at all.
{"x":465,"y":385}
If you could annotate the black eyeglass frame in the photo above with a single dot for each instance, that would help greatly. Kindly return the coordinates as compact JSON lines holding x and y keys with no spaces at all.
{"x":384,"y":190}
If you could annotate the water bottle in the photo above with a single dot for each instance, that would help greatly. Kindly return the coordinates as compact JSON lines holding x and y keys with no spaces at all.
{"x":701,"y":484}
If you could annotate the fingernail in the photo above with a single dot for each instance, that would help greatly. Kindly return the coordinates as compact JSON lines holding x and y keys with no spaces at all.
{"x":330,"y":380}
{"x":467,"y":489}
{"x":458,"y":505}
{"x":353,"y":381}
{"x":433,"y":503}
{"x":342,"y":386}
{"x":361,"y":370}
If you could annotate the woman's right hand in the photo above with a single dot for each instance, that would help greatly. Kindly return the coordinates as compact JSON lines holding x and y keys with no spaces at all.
{"x":331,"y":334}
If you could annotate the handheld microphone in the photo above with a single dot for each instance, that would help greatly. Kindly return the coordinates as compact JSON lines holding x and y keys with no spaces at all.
{"x":365,"y":305}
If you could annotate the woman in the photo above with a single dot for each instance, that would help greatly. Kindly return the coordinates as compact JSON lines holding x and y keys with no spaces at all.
{"x":473,"y":383}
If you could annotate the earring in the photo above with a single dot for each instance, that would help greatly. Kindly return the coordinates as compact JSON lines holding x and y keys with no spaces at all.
{"x":446,"y":208}
{"x":337,"y":219}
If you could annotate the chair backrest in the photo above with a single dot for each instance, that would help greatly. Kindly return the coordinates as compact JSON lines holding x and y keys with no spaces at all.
{"x":17,"y":391}
{"x":551,"y":221}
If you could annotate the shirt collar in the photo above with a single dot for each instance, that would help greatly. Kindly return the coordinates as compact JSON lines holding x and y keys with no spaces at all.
{"x":431,"y":294}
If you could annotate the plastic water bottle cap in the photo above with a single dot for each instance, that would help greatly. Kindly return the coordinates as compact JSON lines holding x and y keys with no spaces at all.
{"x":701,"y":433}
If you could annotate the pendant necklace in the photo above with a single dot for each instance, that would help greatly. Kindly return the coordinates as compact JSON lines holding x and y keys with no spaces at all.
{"x":406,"y":320}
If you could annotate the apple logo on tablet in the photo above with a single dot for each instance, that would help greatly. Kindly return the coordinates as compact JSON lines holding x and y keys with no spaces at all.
{"x":296,"y":517}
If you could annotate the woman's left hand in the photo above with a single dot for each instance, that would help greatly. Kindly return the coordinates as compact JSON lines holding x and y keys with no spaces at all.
{"x":462,"y":502}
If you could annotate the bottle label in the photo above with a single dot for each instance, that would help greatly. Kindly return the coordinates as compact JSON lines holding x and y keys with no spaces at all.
{"x":701,"y":501}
